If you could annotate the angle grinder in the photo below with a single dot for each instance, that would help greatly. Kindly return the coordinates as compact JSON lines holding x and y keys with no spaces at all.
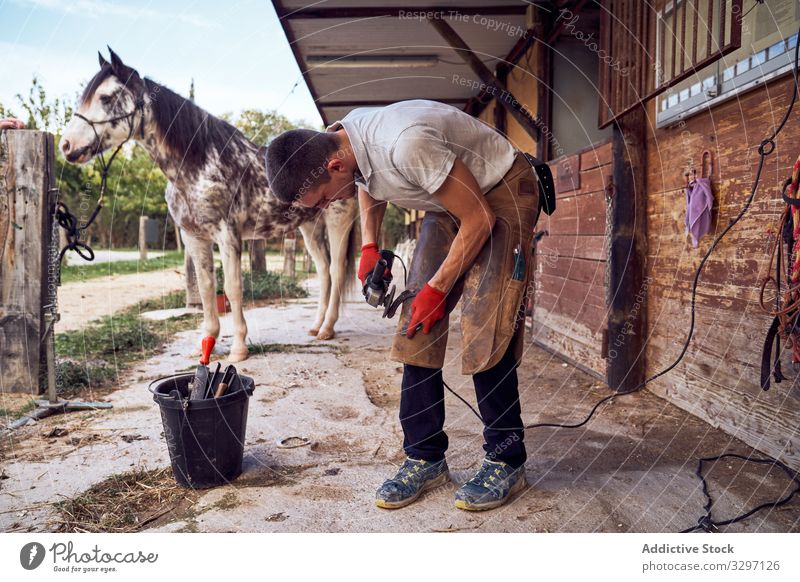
{"x":378,"y":290}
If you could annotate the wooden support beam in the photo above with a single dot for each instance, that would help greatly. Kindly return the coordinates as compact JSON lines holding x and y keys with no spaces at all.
{"x":544,"y":87}
{"x":475,"y":105}
{"x":289,"y":254}
{"x":143,"y":238}
{"x":627,"y":256}
{"x":500,"y":112}
{"x":544,"y":102}
{"x":400,"y":11}
{"x":521,"y":48}
{"x":553,"y":34}
{"x":258,"y":255}
{"x":503,"y":97}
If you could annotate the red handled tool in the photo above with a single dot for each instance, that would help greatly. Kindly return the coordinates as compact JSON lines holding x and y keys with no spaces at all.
{"x":201,"y":374}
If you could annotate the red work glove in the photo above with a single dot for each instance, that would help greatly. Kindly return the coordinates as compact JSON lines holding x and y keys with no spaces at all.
{"x":427,"y":308}
{"x":370,"y":255}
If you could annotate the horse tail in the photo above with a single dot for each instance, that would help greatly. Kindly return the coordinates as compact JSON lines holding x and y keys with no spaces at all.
{"x":350,"y":264}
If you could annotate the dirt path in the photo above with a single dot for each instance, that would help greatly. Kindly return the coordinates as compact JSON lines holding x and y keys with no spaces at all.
{"x":83,"y":301}
{"x":629,"y":469}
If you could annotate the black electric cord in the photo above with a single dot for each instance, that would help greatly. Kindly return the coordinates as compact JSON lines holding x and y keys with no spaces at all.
{"x":706,"y":522}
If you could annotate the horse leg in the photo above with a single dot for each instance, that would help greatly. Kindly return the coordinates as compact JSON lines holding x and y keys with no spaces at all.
{"x":230,"y":246}
{"x":314,"y":237}
{"x":202,"y":255}
{"x":339,"y":222}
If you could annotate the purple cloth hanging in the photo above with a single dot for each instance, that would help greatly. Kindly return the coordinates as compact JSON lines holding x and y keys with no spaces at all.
{"x":699,"y":202}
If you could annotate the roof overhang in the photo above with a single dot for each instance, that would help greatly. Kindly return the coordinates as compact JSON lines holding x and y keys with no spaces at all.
{"x":354,"y":53}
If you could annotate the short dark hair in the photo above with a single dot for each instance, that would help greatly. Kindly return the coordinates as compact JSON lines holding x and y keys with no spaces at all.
{"x":296,"y":160}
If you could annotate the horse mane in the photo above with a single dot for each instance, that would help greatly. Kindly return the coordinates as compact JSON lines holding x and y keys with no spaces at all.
{"x":189,"y":131}
{"x":88,"y":91}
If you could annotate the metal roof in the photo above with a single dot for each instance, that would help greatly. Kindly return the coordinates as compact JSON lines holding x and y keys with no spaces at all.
{"x":355,"y":53}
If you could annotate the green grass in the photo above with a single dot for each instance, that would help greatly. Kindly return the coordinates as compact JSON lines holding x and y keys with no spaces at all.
{"x":9,"y":415}
{"x":267,"y":285}
{"x":95,"y":356}
{"x":171,"y":300}
{"x":86,"y":271}
{"x":279,"y":348}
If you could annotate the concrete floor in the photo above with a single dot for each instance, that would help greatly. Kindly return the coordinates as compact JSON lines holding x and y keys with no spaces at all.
{"x":630,"y":469}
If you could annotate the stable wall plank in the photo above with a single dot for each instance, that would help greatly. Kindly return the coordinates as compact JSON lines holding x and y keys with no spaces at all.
{"x":719,"y":379}
{"x":584,"y":247}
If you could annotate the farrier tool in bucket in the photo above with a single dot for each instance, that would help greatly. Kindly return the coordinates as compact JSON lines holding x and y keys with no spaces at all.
{"x":205,"y":438}
{"x":200,"y":382}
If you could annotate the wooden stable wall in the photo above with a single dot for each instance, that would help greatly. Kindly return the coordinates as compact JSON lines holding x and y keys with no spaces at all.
{"x":570,"y":306}
{"x":718,"y":379}
{"x":26,"y":182}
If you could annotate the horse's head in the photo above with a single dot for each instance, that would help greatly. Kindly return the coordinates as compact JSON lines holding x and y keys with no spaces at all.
{"x":110,"y":111}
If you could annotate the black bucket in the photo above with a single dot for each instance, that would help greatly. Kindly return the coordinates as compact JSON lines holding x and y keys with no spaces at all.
{"x":205,"y":438}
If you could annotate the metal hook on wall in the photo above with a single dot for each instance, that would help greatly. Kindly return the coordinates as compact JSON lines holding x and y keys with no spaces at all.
{"x":706,"y":155}
{"x":690,"y":172}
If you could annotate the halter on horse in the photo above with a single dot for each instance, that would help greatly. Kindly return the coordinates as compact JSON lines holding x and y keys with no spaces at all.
{"x":69,"y":221}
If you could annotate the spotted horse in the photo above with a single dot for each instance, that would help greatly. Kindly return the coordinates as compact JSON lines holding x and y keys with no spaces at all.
{"x":218,"y":190}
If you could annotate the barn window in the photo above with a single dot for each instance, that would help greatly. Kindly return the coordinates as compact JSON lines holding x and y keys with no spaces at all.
{"x":769,"y":37}
{"x":650,"y":48}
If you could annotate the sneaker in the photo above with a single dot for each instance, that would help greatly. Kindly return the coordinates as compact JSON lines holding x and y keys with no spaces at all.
{"x":493,"y":485}
{"x":414,"y":477}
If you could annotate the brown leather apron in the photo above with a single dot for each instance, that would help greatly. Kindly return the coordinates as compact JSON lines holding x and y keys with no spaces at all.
{"x":493,"y":290}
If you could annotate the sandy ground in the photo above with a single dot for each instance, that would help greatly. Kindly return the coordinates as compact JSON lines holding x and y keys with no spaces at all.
{"x":630,"y":469}
{"x":83,"y":301}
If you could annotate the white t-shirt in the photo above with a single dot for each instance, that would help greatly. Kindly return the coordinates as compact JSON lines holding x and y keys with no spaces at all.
{"x":406,"y":150}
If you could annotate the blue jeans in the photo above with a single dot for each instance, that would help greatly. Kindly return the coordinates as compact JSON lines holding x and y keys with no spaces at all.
{"x":422,"y":412}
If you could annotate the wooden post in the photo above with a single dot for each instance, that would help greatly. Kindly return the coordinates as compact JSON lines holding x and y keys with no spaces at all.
{"x":627,"y":255}
{"x":307,"y":263}
{"x":28,"y":275}
{"x":258,"y":255}
{"x":142,"y":238}
{"x":499,"y":113}
{"x":544,"y":102}
{"x":289,"y":248}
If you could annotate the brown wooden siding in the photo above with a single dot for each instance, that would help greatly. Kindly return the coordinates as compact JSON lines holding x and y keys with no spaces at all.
{"x":718,"y":379}
{"x":570,"y":308}
{"x":521,"y":83}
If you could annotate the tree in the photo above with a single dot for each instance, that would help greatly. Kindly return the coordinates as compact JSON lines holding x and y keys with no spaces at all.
{"x":261,"y":127}
{"x":43,"y":113}
{"x":4,"y":112}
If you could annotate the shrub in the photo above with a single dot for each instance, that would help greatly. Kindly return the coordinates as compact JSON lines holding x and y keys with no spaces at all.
{"x":266,"y":285}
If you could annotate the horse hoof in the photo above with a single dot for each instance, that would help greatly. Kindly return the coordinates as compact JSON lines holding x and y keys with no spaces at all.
{"x":326,"y":334}
{"x":234,"y":357}
{"x":313,"y":331}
